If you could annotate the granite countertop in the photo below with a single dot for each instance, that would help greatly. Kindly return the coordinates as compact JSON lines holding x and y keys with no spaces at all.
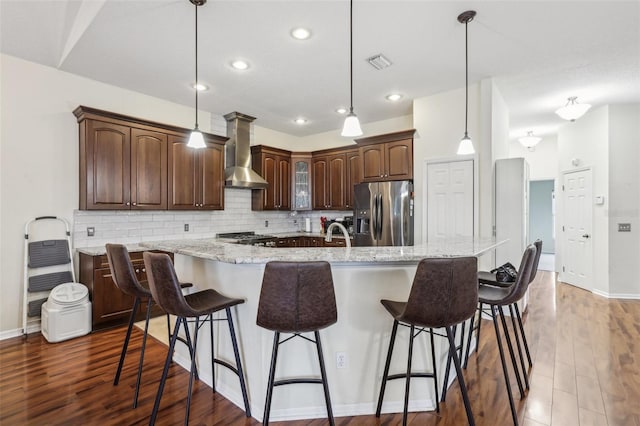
{"x":100,"y":250}
{"x":215,"y":249}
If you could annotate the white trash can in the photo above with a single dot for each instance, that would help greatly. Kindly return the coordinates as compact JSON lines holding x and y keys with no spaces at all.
{"x":66,"y":313}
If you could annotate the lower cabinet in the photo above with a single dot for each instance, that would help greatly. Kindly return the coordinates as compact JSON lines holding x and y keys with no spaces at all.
{"x":110,"y":306}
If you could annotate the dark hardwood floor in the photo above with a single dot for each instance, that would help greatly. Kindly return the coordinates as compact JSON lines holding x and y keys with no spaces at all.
{"x":586,"y":371}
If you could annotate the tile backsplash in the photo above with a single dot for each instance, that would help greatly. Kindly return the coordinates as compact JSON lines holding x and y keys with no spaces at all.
{"x":130,"y":227}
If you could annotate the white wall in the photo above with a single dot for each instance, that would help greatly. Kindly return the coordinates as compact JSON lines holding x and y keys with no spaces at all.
{"x":543,"y":160}
{"x":39,"y":152}
{"x":586,"y":140}
{"x":624,"y":199}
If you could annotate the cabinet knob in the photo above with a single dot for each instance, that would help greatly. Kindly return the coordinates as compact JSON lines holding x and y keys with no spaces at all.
{"x":135,"y":204}
{"x":128,"y":203}
{"x":381,"y":175}
{"x":144,"y":270}
{"x":137,"y":271}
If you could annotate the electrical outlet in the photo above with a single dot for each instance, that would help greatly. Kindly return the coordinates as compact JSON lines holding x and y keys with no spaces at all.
{"x":266,"y":223}
{"x":186,"y":227}
{"x":624,"y":227}
{"x":341,"y":360}
{"x":91,"y":231}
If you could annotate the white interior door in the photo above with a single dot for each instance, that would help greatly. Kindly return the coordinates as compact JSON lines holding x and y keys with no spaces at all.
{"x":577,"y":208}
{"x":449,"y":199}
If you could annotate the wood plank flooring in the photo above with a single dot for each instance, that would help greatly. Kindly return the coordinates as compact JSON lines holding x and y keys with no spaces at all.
{"x":586,"y":371}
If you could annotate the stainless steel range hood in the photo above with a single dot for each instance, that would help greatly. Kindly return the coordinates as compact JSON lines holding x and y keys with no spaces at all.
{"x":238,"y":172}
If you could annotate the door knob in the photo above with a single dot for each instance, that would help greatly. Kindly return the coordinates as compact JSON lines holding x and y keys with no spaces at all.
{"x":586,"y":236}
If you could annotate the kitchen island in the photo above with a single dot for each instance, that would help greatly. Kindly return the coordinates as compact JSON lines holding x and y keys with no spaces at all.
{"x":362,"y":276}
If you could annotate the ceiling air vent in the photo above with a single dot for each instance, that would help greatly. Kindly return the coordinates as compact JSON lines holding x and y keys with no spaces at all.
{"x":379,"y":62}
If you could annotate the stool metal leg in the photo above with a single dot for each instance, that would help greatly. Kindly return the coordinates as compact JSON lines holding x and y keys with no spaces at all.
{"x":435,"y":371}
{"x":383,"y":385}
{"x":193,"y":368}
{"x":165,"y":371}
{"x":236,"y":353}
{"x":272,"y":373}
{"x":515,"y":332}
{"x":144,"y":344}
{"x":505,"y":371}
{"x":524,"y":337}
{"x":448,"y":367}
{"x":471,"y":328}
{"x":408,"y":383}
{"x":511,"y":352}
{"x":323,"y":375}
{"x":453,"y":352}
{"x":125,"y":345}
{"x":213,"y":358}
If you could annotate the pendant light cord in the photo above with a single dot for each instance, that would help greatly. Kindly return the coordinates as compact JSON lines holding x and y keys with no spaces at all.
{"x":196,"y":83}
{"x":466,"y":77}
{"x":351,"y":53}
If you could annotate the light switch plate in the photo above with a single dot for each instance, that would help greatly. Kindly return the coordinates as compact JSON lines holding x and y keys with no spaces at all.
{"x":91,"y":231}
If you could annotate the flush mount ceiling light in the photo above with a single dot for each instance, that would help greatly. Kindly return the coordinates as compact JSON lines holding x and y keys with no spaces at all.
{"x":351,"y":126}
{"x":240,"y":64}
{"x":300,"y":121}
{"x":530,"y":141}
{"x":200,"y":87}
{"x":300,"y":33}
{"x":342,"y":110}
{"x":393,"y":97}
{"x":466,"y":145}
{"x":572,"y":110}
{"x":196,"y":140}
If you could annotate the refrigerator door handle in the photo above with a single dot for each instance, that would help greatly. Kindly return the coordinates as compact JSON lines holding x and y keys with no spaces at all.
{"x":374,"y":217}
{"x":378,"y":216}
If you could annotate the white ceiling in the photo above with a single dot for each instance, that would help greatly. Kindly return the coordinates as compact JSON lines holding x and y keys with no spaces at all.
{"x":539,"y":53}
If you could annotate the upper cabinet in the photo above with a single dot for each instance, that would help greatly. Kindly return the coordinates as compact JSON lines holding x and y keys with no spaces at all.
{"x":329,"y":173}
{"x":353,"y":175}
{"x":301,"y":189}
{"x":132,"y":164}
{"x":274,"y":165}
{"x":196,"y":176}
{"x":387,"y":157}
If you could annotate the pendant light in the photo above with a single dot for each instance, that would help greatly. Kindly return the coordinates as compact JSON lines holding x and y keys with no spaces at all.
{"x":195,"y":139}
{"x":466,"y":145}
{"x":572,"y":110}
{"x":351,"y":126}
{"x":530,"y":141}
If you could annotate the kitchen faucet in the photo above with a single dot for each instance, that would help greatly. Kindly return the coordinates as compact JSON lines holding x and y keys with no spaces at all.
{"x":344,"y":232}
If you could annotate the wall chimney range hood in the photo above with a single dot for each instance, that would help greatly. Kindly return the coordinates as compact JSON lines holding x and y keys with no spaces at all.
{"x":237,"y":154}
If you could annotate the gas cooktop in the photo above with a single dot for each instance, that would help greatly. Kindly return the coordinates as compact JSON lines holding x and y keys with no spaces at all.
{"x":249,"y":238}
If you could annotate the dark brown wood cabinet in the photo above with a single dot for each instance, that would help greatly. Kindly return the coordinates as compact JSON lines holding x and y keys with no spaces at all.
{"x":110,"y":306}
{"x":274,"y":165}
{"x":353,"y":175}
{"x":387,"y":157}
{"x":131,"y":164}
{"x":329,"y":172}
{"x":196,"y":176}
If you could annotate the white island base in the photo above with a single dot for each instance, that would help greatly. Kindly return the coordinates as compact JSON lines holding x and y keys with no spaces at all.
{"x":362,"y":334}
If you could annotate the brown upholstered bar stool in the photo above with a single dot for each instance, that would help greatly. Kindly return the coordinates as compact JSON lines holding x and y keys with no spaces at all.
{"x":166,"y":292}
{"x":444,"y":293}
{"x":297,"y":297}
{"x":496,"y":298}
{"x":124,"y":276}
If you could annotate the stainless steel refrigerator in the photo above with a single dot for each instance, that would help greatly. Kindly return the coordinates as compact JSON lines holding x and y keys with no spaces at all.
{"x":383,"y":214}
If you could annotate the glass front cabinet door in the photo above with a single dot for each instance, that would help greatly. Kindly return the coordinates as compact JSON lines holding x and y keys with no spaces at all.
{"x":301,"y":181}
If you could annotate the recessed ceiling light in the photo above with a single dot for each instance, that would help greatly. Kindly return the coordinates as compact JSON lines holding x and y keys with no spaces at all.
{"x":300,"y":33}
{"x":199,"y":87}
{"x":341,"y":110}
{"x":393,"y":97}
{"x":240,"y":64}
{"x":300,"y":121}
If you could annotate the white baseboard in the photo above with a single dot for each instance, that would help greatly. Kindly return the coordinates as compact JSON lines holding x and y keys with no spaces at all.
{"x":630,"y":296}
{"x":10,"y":334}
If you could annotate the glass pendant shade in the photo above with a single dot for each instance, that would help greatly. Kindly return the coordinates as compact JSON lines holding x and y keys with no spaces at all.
{"x":196,"y":140}
{"x":466,"y":146}
{"x":529,"y":141}
{"x":572,"y":110}
{"x":351,"y":126}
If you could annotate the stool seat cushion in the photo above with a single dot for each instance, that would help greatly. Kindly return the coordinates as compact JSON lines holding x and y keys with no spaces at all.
{"x":492,"y":295}
{"x":394,"y":308}
{"x":207,"y":301}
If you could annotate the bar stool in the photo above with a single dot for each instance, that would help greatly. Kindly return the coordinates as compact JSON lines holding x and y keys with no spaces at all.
{"x":496,"y":298}
{"x":444,"y":293}
{"x":297,"y":297}
{"x":124,"y":276}
{"x":166,"y":291}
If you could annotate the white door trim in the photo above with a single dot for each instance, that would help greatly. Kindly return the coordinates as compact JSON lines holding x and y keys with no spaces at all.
{"x":425,"y":189}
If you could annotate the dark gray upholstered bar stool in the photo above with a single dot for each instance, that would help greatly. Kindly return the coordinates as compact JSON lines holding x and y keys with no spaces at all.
{"x":489,"y":278}
{"x":124,"y":276}
{"x":496,"y":298}
{"x":166,"y":292}
{"x":444,"y":293}
{"x":297,"y":297}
